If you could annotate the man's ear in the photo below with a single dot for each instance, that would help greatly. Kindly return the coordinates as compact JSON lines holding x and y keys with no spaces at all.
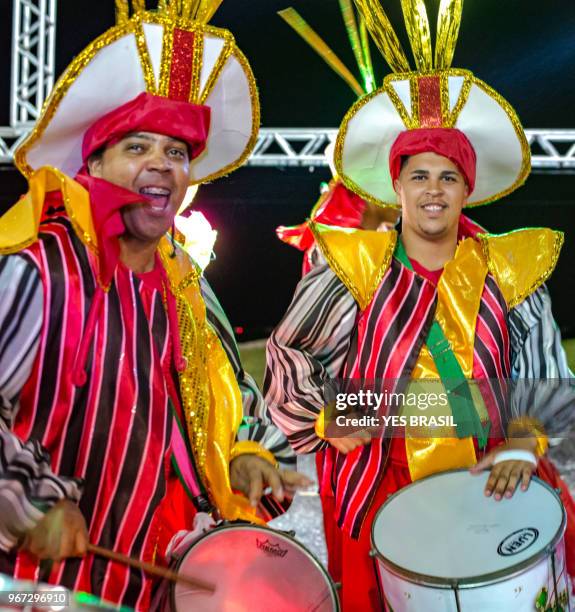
{"x":95,"y":165}
{"x":466,"y":195}
{"x":397,"y":187}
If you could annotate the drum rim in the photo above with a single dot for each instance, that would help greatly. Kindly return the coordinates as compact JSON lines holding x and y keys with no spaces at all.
{"x":256,"y":527}
{"x":470,"y":581}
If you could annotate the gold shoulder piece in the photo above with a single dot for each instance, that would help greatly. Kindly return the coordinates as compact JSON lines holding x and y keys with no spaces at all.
{"x":521,"y":261}
{"x":360,"y":258}
{"x":19,"y":225}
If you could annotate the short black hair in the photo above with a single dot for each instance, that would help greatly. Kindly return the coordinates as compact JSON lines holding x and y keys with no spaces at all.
{"x":97,"y":154}
{"x":404,"y":160}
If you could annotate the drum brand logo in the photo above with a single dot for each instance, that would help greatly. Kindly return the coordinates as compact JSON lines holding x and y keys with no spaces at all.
{"x":272,"y":550}
{"x":518,"y":541}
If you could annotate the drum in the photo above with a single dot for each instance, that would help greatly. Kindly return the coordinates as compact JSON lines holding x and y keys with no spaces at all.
{"x":254,"y":569}
{"x":440,"y":545}
{"x":31,"y":596}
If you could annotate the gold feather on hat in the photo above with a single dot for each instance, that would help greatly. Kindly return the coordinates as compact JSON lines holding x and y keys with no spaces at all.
{"x":417,"y":26}
{"x":364,"y":37}
{"x":359,"y":44}
{"x":383,"y":34}
{"x":358,"y":38}
{"x":297,"y":22}
{"x":189,"y":10}
{"x":448,"y":21}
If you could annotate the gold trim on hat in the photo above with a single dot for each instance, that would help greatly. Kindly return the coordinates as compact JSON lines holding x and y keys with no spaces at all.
{"x":255,"y":124}
{"x":449,"y":121}
{"x":144,"y":56}
{"x":166,"y":61}
{"x":525,"y":150}
{"x":61,"y":88}
{"x":217,"y":69}
{"x":134,"y":26}
{"x":197,"y":62}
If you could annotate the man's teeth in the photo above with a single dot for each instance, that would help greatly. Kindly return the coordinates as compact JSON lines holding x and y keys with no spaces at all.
{"x":433,"y":207}
{"x":155,"y":191}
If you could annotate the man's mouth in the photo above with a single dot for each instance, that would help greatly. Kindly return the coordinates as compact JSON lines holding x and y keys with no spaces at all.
{"x":158,"y":197}
{"x":433,"y":207}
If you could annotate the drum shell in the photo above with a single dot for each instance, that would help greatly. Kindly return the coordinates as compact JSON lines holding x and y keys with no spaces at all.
{"x":515,"y":593}
{"x":516,"y":587}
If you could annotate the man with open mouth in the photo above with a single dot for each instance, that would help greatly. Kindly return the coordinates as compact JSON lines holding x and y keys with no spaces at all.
{"x":125,"y":412}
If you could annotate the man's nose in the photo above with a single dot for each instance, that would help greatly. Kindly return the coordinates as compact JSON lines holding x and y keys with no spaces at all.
{"x":158,"y":161}
{"x":434,"y":186}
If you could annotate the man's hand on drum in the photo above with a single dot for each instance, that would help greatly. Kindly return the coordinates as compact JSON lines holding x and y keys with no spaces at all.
{"x":251,"y":475}
{"x":507,"y":475}
{"x":346,"y":444}
{"x":346,"y":438}
{"x":60,"y":534}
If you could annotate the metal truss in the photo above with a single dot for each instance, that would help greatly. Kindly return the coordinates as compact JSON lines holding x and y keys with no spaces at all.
{"x":552,"y":150}
{"x":33,"y":38}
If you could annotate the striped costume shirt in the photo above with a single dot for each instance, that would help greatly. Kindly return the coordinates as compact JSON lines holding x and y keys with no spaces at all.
{"x":312,"y":341}
{"x":28,"y":486}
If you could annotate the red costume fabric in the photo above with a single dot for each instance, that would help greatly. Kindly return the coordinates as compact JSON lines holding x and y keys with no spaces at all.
{"x":447,"y":142}
{"x":149,"y":113}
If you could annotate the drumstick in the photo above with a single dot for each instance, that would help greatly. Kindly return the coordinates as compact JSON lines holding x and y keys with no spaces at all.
{"x":150,"y":568}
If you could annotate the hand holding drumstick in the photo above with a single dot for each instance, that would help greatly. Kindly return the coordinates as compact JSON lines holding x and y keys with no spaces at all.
{"x":62,"y":533}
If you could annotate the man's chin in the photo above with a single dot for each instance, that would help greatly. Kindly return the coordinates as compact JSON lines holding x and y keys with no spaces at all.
{"x":433,"y":231}
{"x":145,"y":234}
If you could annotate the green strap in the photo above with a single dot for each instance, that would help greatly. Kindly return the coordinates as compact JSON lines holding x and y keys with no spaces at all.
{"x":459,"y":396}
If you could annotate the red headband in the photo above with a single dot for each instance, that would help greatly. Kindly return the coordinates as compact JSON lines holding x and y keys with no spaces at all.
{"x":447,"y":142}
{"x":147,"y":113}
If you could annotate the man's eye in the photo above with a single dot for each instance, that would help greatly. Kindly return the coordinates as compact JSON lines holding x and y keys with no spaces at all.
{"x":177,"y":153}
{"x":449,"y":179}
{"x":418,"y":177}
{"x":135,"y":147}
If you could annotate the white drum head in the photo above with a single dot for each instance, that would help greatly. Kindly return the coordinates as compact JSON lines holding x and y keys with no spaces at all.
{"x":254,"y":569}
{"x":443,"y":529}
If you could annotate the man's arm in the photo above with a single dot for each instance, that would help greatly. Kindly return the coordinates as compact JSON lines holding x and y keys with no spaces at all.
{"x":544,"y":383}
{"x":28,"y":487}
{"x":307,"y":348}
{"x":257,"y":425}
{"x":248,"y":472}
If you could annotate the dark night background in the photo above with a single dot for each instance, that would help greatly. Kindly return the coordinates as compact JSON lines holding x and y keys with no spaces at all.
{"x":525,"y":49}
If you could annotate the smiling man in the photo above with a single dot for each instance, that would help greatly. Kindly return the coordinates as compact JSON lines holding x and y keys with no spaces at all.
{"x":155,"y":166}
{"x":125,"y":412}
{"x":368,"y":316}
{"x":441,"y":300}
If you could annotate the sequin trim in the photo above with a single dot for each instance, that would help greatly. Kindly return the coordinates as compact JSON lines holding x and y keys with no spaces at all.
{"x":144,"y":56}
{"x":169,"y":22}
{"x":430,"y":115}
{"x":182,"y":64}
{"x":218,"y":67}
{"x":166,"y":61}
{"x":413,"y":123}
{"x":558,"y":243}
{"x":197,"y":62}
{"x":363,"y":301}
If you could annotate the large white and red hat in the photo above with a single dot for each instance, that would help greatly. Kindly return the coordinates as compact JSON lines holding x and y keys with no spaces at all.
{"x":165,"y":71}
{"x":447,"y":110}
